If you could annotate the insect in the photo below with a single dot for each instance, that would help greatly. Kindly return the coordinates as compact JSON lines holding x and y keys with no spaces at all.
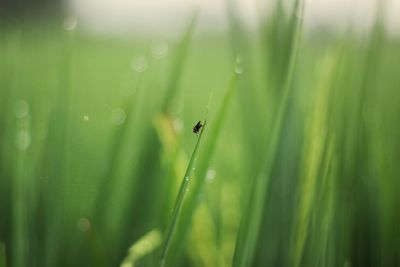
{"x":197,"y":127}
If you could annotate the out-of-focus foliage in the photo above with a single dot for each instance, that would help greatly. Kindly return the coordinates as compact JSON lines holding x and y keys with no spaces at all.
{"x":297,"y":165}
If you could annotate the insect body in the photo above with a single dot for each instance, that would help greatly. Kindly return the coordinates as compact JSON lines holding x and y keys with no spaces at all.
{"x":197,"y":127}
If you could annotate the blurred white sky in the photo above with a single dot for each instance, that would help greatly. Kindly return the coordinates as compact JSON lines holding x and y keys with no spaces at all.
{"x":170,"y":16}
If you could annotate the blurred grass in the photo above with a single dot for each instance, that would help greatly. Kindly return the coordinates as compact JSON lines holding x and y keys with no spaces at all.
{"x":302,"y":171}
{"x":189,"y":173}
{"x":251,"y":220}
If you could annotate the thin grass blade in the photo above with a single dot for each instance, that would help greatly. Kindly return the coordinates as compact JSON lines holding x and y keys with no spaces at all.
{"x":177,"y":68}
{"x":251,"y":220}
{"x":181,"y":195}
{"x":204,"y":161}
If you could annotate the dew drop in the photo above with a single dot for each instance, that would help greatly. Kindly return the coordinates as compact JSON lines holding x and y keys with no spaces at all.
{"x":211,"y":175}
{"x":23,"y":140}
{"x":21,"y":109}
{"x":70,"y":23}
{"x":118,"y":116}
{"x":139,"y":64}
{"x":159,"y":50}
{"x":238,"y":69}
{"x":177,"y":124}
{"x":83,"y":224}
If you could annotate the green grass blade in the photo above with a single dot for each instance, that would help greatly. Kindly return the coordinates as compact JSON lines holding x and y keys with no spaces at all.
{"x":251,"y":101}
{"x":144,"y":246}
{"x":149,"y":165}
{"x":251,"y":221}
{"x":315,"y":149}
{"x":181,"y":195}
{"x":116,"y":150}
{"x":215,"y":131}
{"x":177,"y":68}
{"x":57,"y":151}
{"x":204,"y":161}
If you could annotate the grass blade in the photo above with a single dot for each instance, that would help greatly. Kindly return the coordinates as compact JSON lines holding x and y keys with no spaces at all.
{"x":172,"y":87}
{"x":251,"y":221}
{"x":204,"y":161}
{"x":181,"y":195}
{"x":149,"y":166}
{"x":142,"y":247}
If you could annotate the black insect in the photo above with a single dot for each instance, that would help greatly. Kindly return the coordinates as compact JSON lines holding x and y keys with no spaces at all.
{"x":197,"y":127}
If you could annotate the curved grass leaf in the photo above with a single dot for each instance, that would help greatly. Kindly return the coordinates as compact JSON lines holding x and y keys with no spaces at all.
{"x":142,"y":248}
{"x":172,"y":87}
{"x":251,"y":220}
{"x":181,"y":195}
{"x":204,"y":161}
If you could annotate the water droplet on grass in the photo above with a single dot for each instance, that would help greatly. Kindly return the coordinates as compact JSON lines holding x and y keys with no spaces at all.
{"x":23,"y":140}
{"x":177,"y":124}
{"x":21,"y":109}
{"x":118,"y":116}
{"x":211,"y":175}
{"x":238,"y":69}
{"x":70,"y":23}
{"x":83,"y":224}
{"x":139,"y":64}
{"x":159,"y":50}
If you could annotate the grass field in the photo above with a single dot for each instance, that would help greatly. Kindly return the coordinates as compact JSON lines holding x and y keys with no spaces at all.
{"x":296,"y":165}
